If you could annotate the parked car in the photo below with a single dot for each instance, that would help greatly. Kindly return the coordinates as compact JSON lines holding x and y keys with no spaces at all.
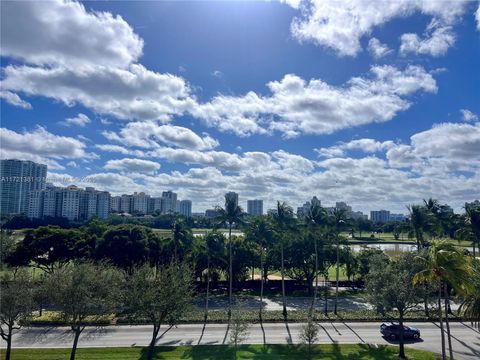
{"x":391,"y":330}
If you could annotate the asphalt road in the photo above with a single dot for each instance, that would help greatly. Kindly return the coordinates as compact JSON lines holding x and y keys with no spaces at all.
{"x":465,"y":341}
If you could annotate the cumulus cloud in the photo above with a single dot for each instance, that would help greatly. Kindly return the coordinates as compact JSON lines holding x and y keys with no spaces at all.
{"x":436,"y":41}
{"x":314,"y":107}
{"x":133,"y":165}
{"x":340,"y":25}
{"x":377,"y":49}
{"x":133,"y":93}
{"x":444,"y":147}
{"x":43,"y":143}
{"x":64,"y":33}
{"x":364,"y":145}
{"x":468,"y":115}
{"x":80,"y":120}
{"x":14,"y":99}
{"x":149,"y":134}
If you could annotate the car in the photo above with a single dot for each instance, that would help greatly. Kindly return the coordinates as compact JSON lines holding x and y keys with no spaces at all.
{"x":391,"y":330}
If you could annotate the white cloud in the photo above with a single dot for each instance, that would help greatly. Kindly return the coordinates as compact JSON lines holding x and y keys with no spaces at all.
{"x":468,"y":115}
{"x":80,"y":120}
{"x":436,"y":42}
{"x":133,"y":165}
{"x":315,"y":107}
{"x":133,"y":93}
{"x":365,"y":145}
{"x":444,"y":147}
{"x":14,"y":99}
{"x":217,"y":74}
{"x":377,"y":49}
{"x":340,"y":25}
{"x":148,"y":134}
{"x":477,"y":17}
{"x":64,"y":33}
{"x":42,"y":143}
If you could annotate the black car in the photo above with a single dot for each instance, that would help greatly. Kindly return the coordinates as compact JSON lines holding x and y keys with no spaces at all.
{"x":392,"y":331}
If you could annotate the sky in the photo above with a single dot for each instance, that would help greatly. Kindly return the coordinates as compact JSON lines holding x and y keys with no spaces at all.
{"x":373,"y":103}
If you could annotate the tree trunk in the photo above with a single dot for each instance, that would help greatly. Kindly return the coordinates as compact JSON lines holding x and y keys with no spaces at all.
{"x":337,"y":275}
{"x":283,"y":282}
{"x":230,"y":270}
{"x":151,"y":347}
{"x":473,"y":248}
{"x":208,"y":287}
{"x":9,"y":344}
{"x":77,"y":332}
{"x":425,"y":301}
{"x":401,"y":353}
{"x":261,"y":284}
{"x":440,"y":319}
{"x":447,"y":323}
{"x":314,"y":299}
{"x":325,"y":280}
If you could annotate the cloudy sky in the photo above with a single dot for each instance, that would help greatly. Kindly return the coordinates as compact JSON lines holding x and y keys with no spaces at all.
{"x":372,"y":103}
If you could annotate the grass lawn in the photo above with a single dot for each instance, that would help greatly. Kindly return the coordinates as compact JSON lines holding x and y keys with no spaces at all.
{"x":221,"y":352}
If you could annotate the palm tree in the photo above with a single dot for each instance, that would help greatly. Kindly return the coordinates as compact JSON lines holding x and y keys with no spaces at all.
{"x":443,"y":265}
{"x":231,"y":214}
{"x":419,"y":221}
{"x":316,"y":217}
{"x":470,"y":229}
{"x":182,"y":236}
{"x":340,"y":218}
{"x":283,"y":219}
{"x":212,"y":247}
{"x":260,"y":232}
{"x":470,"y":306}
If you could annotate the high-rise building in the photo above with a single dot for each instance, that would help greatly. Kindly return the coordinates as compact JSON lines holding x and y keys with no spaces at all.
{"x":304,"y":210}
{"x":185,"y":208}
{"x":233,"y":196}
{"x":380,"y":216}
{"x":396,"y":217}
{"x":340,"y":205}
{"x":141,"y":203}
{"x":103,"y":204}
{"x":169,"y":202}
{"x":115,"y":203}
{"x":126,"y":204}
{"x":71,"y":202}
{"x":255,"y":207}
{"x":17,"y":179}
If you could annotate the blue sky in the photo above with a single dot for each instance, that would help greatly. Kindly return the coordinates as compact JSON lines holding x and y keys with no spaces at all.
{"x":376,"y":104}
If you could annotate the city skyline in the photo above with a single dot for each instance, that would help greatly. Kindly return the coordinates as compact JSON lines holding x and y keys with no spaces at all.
{"x":372,"y":105}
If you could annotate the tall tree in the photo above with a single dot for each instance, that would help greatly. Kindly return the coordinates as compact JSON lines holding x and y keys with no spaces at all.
{"x":182,"y":238}
{"x":84,"y":290}
{"x":441,"y":265}
{"x":316,"y":219}
{"x":470,"y":306}
{"x":210,"y":252}
{"x":232,"y":214}
{"x":339,"y":222}
{"x":470,"y":226}
{"x":419,"y":221}
{"x":390,"y":287}
{"x":17,"y":293}
{"x":160,"y":296}
{"x":260,"y":232}
{"x":47,"y":248}
{"x":283,"y":219}
{"x":126,"y":246}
